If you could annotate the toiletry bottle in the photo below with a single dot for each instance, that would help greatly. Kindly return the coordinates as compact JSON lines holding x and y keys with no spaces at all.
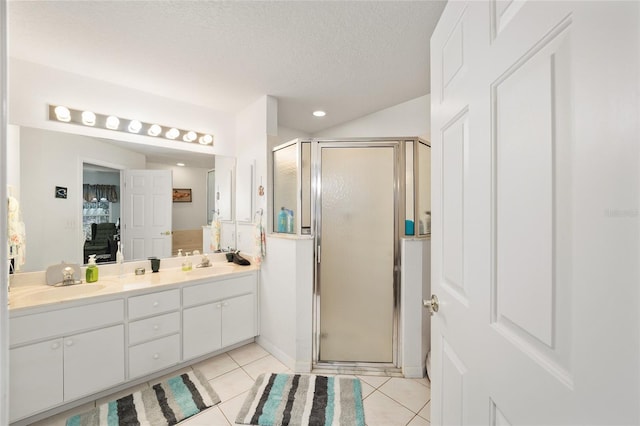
{"x":120,"y":260}
{"x":186,"y":263}
{"x":290,"y":221}
{"x":282,"y":220}
{"x":428,"y":221}
{"x":92,"y":269}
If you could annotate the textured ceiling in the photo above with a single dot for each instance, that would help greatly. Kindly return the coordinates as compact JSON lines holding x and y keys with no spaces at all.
{"x":348,"y":58}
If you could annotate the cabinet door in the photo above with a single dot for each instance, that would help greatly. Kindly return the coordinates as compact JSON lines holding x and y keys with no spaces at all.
{"x":35,"y":378}
{"x":201,"y":330}
{"x":93,"y":361}
{"x":238,"y":319}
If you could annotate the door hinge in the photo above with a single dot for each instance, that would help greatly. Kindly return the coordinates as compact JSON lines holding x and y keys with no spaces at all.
{"x":318,"y":253}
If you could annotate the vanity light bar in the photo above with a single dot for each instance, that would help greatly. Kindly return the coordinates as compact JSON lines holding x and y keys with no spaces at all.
{"x":125,"y":125}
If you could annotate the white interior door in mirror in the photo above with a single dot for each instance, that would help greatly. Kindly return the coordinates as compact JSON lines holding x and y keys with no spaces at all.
{"x":224,"y":187}
{"x":146,"y":215}
{"x":244,"y":190}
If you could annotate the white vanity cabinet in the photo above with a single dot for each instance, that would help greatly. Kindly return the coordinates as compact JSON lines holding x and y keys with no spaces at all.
{"x":61,"y":355}
{"x":63,"y":352}
{"x":154,"y":332}
{"x":218,"y":314}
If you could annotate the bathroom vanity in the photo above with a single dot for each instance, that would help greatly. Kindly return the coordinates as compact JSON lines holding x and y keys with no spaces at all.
{"x":69,"y":343}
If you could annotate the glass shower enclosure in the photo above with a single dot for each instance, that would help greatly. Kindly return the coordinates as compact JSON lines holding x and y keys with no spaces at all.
{"x":357,"y":197}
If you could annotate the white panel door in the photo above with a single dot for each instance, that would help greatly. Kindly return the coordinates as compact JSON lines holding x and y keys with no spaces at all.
{"x":535,"y":213}
{"x":147,"y":208}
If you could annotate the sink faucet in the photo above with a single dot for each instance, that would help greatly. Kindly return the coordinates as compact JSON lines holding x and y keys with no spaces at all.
{"x":67,"y":276}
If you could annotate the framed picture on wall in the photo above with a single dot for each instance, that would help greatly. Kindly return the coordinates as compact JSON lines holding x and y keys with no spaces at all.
{"x":181,"y":195}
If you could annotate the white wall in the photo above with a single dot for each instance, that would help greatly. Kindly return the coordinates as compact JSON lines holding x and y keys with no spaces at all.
{"x":411,"y":118}
{"x":13,"y":160}
{"x":49,"y":159}
{"x":414,"y":318}
{"x":191,"y":215}
{"x":33,"y":86}
{"x":286,"y":134}
{"x":286,"y":297}
{"x":254,"y":124}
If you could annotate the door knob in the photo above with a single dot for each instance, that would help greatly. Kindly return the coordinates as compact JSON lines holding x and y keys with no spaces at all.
{"x":432,"y":305}
{"x":165,"y":233}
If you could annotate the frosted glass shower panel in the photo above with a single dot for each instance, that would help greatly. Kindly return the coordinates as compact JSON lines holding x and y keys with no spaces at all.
{"x":285,"y":185}
{"x":357,"y":254}
{"x":423,"y":192}
{"x":306,"y":187}
{"x":409,"y":188}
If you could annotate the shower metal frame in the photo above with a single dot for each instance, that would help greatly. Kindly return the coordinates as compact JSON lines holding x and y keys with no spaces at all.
{"x":399,"y":212}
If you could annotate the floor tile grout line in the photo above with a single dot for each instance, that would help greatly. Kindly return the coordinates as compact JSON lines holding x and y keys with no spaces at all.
{"x":410,"y":409}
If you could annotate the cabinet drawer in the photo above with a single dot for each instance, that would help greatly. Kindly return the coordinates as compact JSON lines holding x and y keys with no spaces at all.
{"x":152,"y":304}
{"x":65,"y":321}
{"x":153,"y":356}
{"x":218,"y":290}
{"x":151,"y":328}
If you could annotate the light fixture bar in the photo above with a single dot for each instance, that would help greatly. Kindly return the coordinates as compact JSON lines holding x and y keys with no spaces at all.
{"x":86,"y":118}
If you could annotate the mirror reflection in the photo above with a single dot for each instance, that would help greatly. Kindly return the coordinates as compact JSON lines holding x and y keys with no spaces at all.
{"x":97,"y":209}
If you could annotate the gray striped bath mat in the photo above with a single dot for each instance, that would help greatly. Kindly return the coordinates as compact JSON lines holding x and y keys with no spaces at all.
{"x":286,"y":399}
{"x":165,"y":403}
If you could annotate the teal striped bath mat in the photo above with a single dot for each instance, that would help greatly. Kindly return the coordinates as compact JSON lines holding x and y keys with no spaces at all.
{"x":286,"y":399}
{"x":165,"y":403}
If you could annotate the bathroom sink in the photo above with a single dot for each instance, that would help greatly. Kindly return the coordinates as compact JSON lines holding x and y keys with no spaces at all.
{"x":64,"y":293}
{"x":214,"y":269}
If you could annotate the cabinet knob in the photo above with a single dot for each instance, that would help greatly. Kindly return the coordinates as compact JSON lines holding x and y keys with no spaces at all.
{"x":156,"y":304}
{"x":225,"y":304}
{"x":156,"y":327}
{"x":156,"y":356}
{"x":55,"y":345}
{"x":219,"y":305}
{"x":69,"y":342}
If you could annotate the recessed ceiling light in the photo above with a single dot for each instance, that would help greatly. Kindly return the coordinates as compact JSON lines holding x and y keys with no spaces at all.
{"x":319,"y":113}
{"x":180,"y":164}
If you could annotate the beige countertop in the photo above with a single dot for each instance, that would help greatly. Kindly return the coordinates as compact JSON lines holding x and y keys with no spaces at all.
{"x":30,"y":290}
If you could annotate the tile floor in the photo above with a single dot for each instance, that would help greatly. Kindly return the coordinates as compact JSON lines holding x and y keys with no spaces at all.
{"x":388,"y":401}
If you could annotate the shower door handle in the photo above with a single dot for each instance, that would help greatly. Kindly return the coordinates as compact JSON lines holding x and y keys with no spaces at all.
{"x":433,"y":304}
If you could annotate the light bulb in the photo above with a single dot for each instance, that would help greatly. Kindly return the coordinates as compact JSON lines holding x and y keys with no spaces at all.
{"x":154,"y":130}
{"x":135,"y":126}
{"x":113,"y":122}
{"x":190,"y":136}
{"x":180,"y":164}
{"x":88,"y":118}
{"x":205,"y":139}
{"x":172,"y":133}
{"x":319,"y":113}
{"x":63,"y":113}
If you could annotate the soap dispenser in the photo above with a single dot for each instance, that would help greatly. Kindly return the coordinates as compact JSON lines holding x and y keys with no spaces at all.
{"x":92,"y":269}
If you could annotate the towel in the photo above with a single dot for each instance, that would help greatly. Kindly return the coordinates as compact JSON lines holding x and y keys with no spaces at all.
{"x":17,"y":237}
{"x":260,"y":240}
{"x":214,"y":245}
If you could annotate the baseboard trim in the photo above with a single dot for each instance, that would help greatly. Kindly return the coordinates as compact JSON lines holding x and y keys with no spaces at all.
{"x":276,"y":352}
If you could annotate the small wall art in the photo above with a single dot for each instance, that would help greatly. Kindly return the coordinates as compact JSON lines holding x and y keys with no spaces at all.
{"x":181,"y":195}
{"x":61,"y":192}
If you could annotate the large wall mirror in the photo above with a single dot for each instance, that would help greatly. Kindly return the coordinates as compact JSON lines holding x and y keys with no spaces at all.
{"x":91,"y":203}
